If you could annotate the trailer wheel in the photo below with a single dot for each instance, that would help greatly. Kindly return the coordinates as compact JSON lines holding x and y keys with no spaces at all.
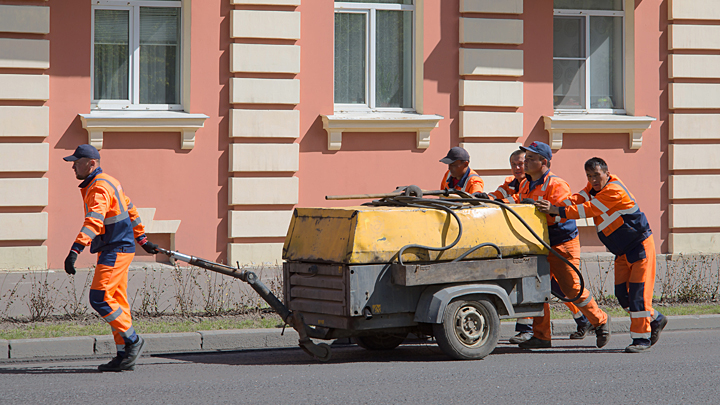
{"x":469,"y":329}
{"x":380,"y":341}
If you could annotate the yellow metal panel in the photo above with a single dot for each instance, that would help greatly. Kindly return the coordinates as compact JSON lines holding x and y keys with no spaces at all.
{"x":356,"y":235}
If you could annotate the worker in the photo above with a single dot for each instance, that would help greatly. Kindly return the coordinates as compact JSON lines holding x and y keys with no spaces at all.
{"x":624,"y":230}
{"x":542,"y":185}
{"x":111,"y":227}
{"x":459,"y":175}
{"x":523,"y":326}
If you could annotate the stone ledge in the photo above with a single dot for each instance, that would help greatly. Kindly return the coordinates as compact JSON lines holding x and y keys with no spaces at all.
{"x":557,"y":125}
{"x":52,"y":347}
{"x":338,"y":123}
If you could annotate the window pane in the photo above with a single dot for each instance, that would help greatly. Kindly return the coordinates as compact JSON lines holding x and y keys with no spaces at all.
{"x":159,"y":79}
{"x":111,"y":55}
{"x":393,"y":76}
{"x":606,"y":69}
{"x":350,"y":58}
{"x":569,"y":37}
{"x":568,"y":84}
{"x":614,"y":5}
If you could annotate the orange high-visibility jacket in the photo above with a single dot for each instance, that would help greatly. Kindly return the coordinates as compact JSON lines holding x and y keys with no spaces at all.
{"x":620,"y":224}
{"x":111,"y":220}
{"x":471,"y":182}
{"x":507,"y":189}
{"x":551,"y":188}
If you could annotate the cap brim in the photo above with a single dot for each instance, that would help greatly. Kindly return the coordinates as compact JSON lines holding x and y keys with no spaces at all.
{"x":71,"y":158}
{"x":446,"y":160}
{"x":524,"y":149}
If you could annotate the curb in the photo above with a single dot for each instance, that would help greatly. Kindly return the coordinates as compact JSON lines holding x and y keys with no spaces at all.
{"x":251,"y":339}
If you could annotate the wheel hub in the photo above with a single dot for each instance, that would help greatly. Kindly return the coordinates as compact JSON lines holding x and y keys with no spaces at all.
{"x":470,"y":325}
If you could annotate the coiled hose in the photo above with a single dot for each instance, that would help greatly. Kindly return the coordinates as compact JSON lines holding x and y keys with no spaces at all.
{"x":455,"y":203}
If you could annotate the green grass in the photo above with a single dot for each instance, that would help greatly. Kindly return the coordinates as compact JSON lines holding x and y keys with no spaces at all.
{"x":64,"y":329}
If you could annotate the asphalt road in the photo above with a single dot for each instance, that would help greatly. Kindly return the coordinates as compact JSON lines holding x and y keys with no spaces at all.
{"x":683,"y":368}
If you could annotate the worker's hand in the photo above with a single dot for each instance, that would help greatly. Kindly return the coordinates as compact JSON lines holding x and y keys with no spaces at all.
{"x":527,"y":201}
{"x":70,"y":262}
{"x":149,"y":247}
{"x":547,"y":208}
{"x":481,"y":195}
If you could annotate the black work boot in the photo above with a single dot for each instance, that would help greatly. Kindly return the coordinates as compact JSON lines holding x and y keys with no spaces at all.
{"x":535,"y":343}
{"x":115,"y":365}
{"x":521,"y":337}
{"x":132,"y":352}
{"x":602,"y":333}
{"x":638,"y":346}
{"x":656,"y":327}
{"x":582,"y":330}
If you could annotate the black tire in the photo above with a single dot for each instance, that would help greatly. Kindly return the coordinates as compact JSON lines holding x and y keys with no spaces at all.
{"x":380,"y":341}
{"x":469,"y":329}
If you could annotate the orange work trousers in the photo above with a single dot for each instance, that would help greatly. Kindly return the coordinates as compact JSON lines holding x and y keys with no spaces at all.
{"x":634,"y":284}
{"x":569,"y":283}
{"x":108,"y":296}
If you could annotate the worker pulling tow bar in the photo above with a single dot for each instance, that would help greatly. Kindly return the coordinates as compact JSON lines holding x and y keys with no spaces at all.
{"x":449,"y":267}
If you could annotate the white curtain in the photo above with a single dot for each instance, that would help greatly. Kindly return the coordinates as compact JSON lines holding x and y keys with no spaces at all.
{"x":112,"y":55}
{"x":159,"y":78}
{"x":350,"y":63}
{"x":606,"y":68}
{"x":393,"y":77}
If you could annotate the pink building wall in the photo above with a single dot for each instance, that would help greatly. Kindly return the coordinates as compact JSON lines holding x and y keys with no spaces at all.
{"x":191,"y":185}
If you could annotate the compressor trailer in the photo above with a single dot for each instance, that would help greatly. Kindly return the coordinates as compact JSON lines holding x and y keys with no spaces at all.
{"x":379,"y":272}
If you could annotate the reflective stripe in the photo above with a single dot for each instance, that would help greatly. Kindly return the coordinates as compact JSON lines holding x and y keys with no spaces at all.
{"x":634,"y":335}
{"x":623,"y":187}
{"x":639,"y":314}
{"x":117,"y":194}
{"x":599,"y":205}
{"x":584,"y":195}
{"x":607,"y":220}
{"x":547,"y":181}
{"x":578,"y":315}
{"x":525,"y":321}
{"x":467,"y":182}
{"x":585,"y":302}
{"x":96,"y":215}
{"x":581,"y":211}
{"x":557,"y":218}
{"x":567,"y":203}
{"x":120,"y":348}
{"x":131,"y":206}
{"x":540,"y":198}
{"x":655,"y":315}
{"x":127,"y":333}
{"x":87,"y":231}
{"x":503,"y":192}
{"x":117,"y":218}
{"x":136,"y":222}
{"x":113,"y":316}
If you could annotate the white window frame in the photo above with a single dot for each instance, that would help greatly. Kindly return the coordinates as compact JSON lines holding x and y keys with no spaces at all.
{"x":133,"y":104}
{"x":370,"y":10}
{"x":587,"y":14}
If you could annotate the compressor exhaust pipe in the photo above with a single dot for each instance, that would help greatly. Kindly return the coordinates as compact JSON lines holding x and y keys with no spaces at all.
{"x":294,"y":319}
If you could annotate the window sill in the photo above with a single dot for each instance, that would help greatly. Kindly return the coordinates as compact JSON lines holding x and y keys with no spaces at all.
{"x":338,"y":123}
{"x":99,"y":122}
{"x":559,"y":124}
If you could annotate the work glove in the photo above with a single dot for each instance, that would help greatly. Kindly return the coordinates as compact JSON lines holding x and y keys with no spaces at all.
{"x":149,"y":246}
{"x":70,"y":262}
{"x":527,"y":201}
{"x":481,"y":195}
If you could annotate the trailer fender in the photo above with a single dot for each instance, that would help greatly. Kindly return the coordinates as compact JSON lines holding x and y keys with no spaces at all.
{"x":433,"y":301}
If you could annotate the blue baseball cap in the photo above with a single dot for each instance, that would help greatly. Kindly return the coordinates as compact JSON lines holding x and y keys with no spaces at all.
{"x":83,"y":151}
{"x":454,"y":154}
{"x":540,"y":148}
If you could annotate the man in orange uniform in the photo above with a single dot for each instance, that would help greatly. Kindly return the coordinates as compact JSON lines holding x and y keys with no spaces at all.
{"x":624,"y":230}
{"x":111,"y":227}
{"x":523,"y":326}
{"x":541,"y":185}
{"x":459,"y":175}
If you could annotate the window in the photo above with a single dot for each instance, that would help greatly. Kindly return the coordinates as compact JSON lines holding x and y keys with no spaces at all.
{"x":374,"y":55}
{"x":588,"y":54}
{"x":137,"y":55}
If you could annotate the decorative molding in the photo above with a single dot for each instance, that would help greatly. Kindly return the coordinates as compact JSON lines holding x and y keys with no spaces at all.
{"x":97,"y":123}
{"x":336,"y":124}
{"x":557,"y":125}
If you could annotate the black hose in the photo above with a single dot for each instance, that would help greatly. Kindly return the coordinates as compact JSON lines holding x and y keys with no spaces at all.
{"x":458,"y":203}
